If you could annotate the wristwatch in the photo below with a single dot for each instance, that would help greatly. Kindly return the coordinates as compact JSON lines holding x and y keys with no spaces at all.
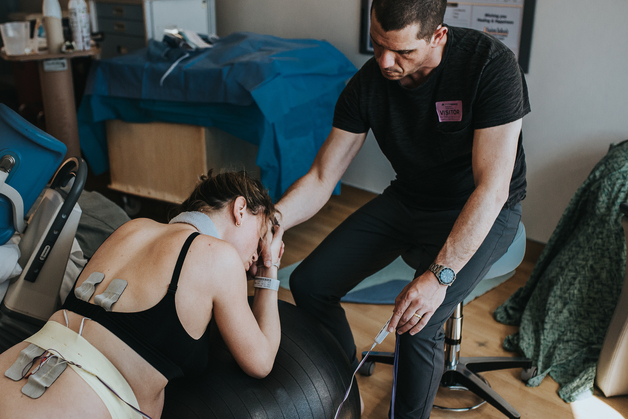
{"x":446,"y":276}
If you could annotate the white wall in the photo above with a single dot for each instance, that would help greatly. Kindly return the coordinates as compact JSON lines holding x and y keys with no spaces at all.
{"x":578,"y":85}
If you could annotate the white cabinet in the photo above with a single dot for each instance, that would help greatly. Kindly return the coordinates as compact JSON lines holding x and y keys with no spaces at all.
{"x":128,"y":24}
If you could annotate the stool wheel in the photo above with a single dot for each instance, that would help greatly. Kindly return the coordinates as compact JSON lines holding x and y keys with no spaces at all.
{"x":528,"y":373}
{"x":367,"y":368}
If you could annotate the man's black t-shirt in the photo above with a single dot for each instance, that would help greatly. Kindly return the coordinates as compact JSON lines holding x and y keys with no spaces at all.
{"x":427,"y":132}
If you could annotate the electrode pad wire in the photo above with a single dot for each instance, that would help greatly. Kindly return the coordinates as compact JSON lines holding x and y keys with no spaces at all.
{"x":378,"y":339}
{"x":42,"y":360}
{"x":352,"y":377}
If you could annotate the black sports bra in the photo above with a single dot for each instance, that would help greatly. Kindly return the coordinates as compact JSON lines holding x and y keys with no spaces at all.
{"x":156,"y":334}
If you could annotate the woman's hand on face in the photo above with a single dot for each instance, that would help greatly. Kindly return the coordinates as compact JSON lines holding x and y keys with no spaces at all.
{"x":271,"y":248}
{"x":276,"y":243}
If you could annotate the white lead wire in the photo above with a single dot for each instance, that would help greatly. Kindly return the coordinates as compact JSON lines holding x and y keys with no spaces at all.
{"x":352,"y":377}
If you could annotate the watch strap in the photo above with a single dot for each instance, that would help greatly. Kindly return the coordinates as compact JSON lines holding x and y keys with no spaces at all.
{"x":436,"y":269}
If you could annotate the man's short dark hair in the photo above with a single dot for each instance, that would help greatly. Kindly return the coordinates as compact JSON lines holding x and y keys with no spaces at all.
{"x":394,"y":15}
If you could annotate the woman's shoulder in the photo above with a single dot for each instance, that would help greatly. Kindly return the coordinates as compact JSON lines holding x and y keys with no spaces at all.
{"x":213,"y":264}
{"x":164,"y":239}
{"x":215,"y":251}
{"x":136,"y":226}
{"x":139,"y":223}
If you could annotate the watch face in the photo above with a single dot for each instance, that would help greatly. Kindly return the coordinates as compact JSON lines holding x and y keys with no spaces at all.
{"x":447,"y":276}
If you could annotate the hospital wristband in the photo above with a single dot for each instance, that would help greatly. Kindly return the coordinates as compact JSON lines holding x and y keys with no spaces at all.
{"x":268,"y":283}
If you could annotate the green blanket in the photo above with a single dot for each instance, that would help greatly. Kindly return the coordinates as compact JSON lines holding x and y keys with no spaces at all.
{"x":566,"y":306}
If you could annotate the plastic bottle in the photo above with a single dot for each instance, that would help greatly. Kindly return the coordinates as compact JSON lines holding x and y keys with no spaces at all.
{"x":52,"y":25}
{"x":79,"y":22}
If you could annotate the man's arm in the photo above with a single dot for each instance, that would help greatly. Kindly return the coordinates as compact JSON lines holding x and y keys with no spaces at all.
{"x":494,"y":153}
{"x":308,"y":194}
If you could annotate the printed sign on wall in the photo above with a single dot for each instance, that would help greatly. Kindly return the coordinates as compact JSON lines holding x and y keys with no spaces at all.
{"x":503,"y":19}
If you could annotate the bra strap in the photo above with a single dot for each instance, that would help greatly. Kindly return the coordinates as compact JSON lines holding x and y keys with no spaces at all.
{"x":172,"y":288}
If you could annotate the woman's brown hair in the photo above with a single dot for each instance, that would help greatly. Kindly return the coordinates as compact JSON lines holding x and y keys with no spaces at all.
{"x":219,"y":191}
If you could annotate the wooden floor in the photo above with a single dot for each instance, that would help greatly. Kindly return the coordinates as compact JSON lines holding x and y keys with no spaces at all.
{"x":482,"y":336}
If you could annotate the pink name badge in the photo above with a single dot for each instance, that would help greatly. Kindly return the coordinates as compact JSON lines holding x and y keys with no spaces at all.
{"x":450,"y":111}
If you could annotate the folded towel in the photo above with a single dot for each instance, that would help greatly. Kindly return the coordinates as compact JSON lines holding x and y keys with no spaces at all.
{"x":9,"y":268}
{"x":9,"y":255}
